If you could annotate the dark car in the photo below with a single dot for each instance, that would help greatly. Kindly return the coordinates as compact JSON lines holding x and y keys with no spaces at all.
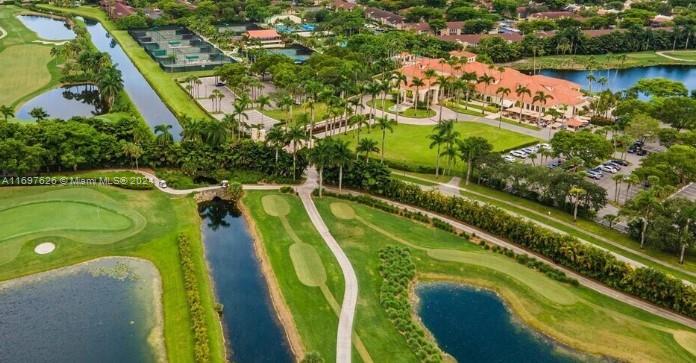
{"x":620,"y":162}
{"x":641,"y":152}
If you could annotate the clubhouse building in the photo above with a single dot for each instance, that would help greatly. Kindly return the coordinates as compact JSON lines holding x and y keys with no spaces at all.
{"x":565,"y":96}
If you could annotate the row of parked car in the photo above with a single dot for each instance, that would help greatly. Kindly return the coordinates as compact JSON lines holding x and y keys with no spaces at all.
{"x":525,"y":152}
{"x":611,"y":166}
{"x":637,"y":148}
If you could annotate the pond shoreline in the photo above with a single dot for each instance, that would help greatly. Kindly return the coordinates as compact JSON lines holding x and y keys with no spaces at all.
{"x":518,"y":315}
{"x":155,"y":336}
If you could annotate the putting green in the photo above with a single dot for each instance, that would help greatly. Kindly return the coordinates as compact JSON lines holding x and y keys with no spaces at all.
{"x":536,"y":281}
{"x":23,"y":70}
{"x":308,"y":266}
{"x":78,"y":214}
{"x":342,"y":210}
{"x":275,"y":205}
{"x":58,"y":215}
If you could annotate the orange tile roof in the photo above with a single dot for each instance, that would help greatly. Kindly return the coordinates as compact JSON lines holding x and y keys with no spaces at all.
{"x":563,"y":92}
{"x":263,"y":34}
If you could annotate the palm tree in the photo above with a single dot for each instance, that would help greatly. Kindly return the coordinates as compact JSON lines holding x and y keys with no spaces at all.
{"x":110,"y":83}
{"x":471,"y":149}
{"x":215,"y":133}
{"x":373,"y":89}
{"x":133,"y":151}
{"x":541,"y":97}
{"x":261,"y":103}
{"x":164,"y":136}
{"x":38,"y":113}
{"x":417,"y":83}
{"x":502,"y":92}
{"x":644,"y":206}
{"x":467,"y":78}
{"x":341,"y":156}
{"x":277,"y":138}
{"x":321,"y":155}
{"x":576,"y":194}
{"x":436,"y":140}
{"x":429,"y":74}
{"x":231,"y":125}
{"x":399,"y":79}
{"x":192,"y":130}
{"x":591,"y":78}
{"x":358,"y":120}
{"x":385,"y":124}
{"x":239,"y":111}
{"x":444,"y":82}
{"x":617,"y":178}
{"x":286,"y":103}
{"x":295,"y":134}
{"x":367,"y":146}
{"x":487,"y":80}
{"x":520,"y":91}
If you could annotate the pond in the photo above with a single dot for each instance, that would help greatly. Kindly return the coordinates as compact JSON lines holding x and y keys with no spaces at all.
{"x":298,"y":53}
{"x":105,"y":310}
{"x":253,"y":330}
{"x":47,"y":28}
{"x":474,"y":325}
{"x":621,"y":79}
{"x":146,"y":100}
{"x":65,"y":102}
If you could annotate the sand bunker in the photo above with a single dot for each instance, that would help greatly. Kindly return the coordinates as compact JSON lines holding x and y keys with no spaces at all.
{"x":45,"y":248}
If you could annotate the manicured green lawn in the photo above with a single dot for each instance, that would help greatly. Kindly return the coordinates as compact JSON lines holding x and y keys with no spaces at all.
{"x":410,"y":112}
{"x":580,"y":229}
{"x":320,"y":112}
{"x":163,"y":83}
{"x":575,"y":316}
{"x":689,"y":55}
{"x":26,"y":68}
{"x":88,"y":222}
{"x":606,"y":61}
{"x":281,"y":223}
{"x":408,"y":144}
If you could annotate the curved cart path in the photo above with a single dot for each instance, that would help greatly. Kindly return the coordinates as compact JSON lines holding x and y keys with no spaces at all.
{"x":350,"y":295}
{"x":589,"y":283}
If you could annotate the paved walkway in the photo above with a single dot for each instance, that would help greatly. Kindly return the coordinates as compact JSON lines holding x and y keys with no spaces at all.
{"x":451,"y":187}
{"x":350,"y":295}
{"x":662,"y":54}
{"x":589,"y":283}
{"x":570,"y":225}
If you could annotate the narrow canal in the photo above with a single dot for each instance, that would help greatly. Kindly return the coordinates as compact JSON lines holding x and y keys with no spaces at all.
{"x":151,"y":107}
{"x":253,"y":331}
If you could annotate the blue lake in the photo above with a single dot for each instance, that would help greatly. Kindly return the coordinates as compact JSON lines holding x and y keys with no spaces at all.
{"x":474,"y":325}
{"x":619,"y":80}
{"x":146,"y":100}
{"x":65,"y":102}
{"x":47,"y":28}
{"x":102,"y":311}
{"x":253,"y":331}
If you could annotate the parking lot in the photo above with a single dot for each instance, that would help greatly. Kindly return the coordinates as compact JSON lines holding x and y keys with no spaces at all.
{"x":605,"y":181}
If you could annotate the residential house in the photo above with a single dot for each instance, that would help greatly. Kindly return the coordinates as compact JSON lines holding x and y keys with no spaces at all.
{"x":264,"y":38}
{"x":385,"y":17}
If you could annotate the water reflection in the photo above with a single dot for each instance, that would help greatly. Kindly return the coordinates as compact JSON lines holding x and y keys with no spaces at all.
{"x":66,"y":102}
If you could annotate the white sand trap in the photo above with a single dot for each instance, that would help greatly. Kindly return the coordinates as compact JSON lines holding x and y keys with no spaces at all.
{"x":44,"y":248}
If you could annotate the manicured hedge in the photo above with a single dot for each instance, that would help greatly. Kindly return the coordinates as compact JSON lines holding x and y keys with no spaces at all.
{"x":398,"y":271}
{"x":590,"y":261}
{"x":200,"y":330}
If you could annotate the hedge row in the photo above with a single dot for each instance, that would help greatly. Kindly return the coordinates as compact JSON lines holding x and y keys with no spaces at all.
{"x":398,"y":271}
{"x":200,"y":329}
{"x":590,"y":261}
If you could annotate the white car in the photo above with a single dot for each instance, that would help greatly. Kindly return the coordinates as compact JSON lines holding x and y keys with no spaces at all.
{"x":519,"y":154}
{"x":608,"y":169}
{"x":509,"y":158}
{"x":544,"y":146}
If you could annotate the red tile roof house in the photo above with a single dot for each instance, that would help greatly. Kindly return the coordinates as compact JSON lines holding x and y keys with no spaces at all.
{"x":385,"y":17}
{"x":451,"y":28}
{"x":266,"y":38}
{"x":343,"y":5}
{"x":117,"y":9}
{"x":567,"y":97}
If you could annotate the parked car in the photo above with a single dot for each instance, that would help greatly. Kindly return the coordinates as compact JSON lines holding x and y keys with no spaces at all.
{"x":613,"y":165}
{"x":528,"y":150}
{"x":620,"y":162}
{"x":593,"y":175}
{"x":597,"y":170}
{"x":608,"y":169}
{"x":545,"y":146}
{"x":642,"y":152}
{"x":519,"y":154}
{"x":509,"y":158}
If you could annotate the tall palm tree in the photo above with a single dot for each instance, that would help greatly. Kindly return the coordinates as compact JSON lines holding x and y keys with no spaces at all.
{"x":231,"y":125}
{"x":321,"y":155}
{"x":192,"y":130}
{"x":429,"y":74}
{"x":239,"y":111}
{"x":487,"y":80}
{"x":215,"y":133}
{"x":385,"y":124}
{"x":445,"y":82}
{"x":399,"y":80}
{"x":521,"y":91}
{"x":471,"y":149}
{"x":341,"y":156}
{"x":436,"y":141}
{"x":295,"y":134}
{"x":286,"y":103}
{"x":417,"y":83}
{"x":133,"y":151}
{"x":502,"y":92}
{"x":644,"y":206}
{"x":277,"y":138}
{"x":468,"y":78}
{"x":110,"y":83}
{"x":261,"y":103}
{"x":576,"y":195}
{"x":367,"y":146}
{"x":373,"y":89}
{"x":542,"y":98}
{"x":164,"y":136}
